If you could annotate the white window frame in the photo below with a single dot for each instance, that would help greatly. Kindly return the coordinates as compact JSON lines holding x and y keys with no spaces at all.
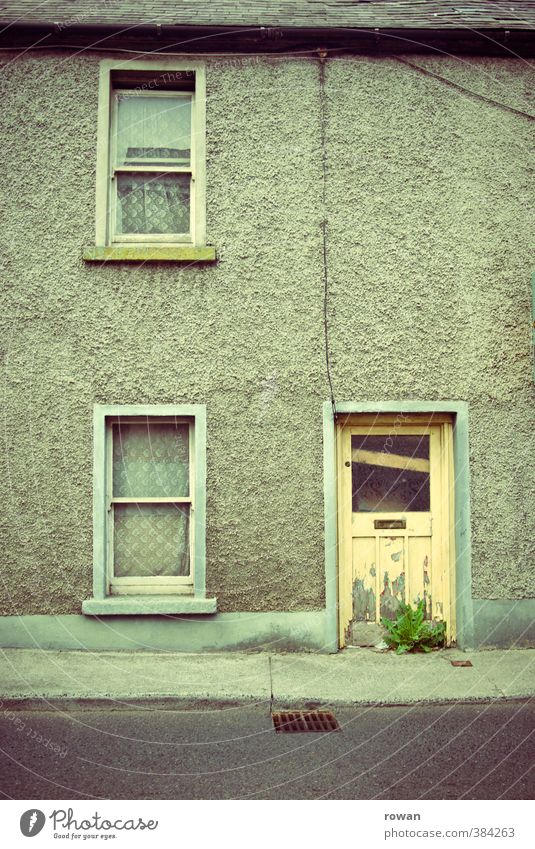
{"x":158,"y":594}
{"x":115,"y":168}
{"x":155,"y":583}
{"x":105,"y":235}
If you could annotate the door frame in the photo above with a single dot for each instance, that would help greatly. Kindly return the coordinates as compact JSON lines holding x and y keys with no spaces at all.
{"x":441,"y":541}
{"x":333,"y":421}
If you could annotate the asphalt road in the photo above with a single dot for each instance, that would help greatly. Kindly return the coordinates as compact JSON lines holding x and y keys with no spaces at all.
{"x":483,"y":751}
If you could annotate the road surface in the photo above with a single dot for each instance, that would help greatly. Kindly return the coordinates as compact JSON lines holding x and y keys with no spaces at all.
{"x":483,"y":751}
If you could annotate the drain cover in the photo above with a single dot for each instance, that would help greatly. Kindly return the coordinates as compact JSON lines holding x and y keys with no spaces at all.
{"x":461,"y":663}
{"x":292,"y":721}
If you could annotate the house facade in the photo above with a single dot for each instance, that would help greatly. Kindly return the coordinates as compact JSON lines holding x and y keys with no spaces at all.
{"x":268,"y":365}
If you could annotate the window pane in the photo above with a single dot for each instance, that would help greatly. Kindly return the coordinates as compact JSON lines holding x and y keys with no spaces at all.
{"x":153,"y":130}
{"x":153,"y":203}
{"x":150,"y":539}
{"x":151,"y":460}
{"x":390,"y":474}
{"x":406,"y":446}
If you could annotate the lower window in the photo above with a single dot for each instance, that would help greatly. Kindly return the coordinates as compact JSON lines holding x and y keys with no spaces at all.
{"x":149,"y":510}
{"x":150,"y":494}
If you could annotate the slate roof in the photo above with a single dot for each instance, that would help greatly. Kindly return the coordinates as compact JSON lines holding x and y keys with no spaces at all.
{"x":365,"y":14}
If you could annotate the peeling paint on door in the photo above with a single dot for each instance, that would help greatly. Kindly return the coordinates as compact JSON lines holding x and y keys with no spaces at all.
{"x":398,"y":587}
{"x":363,"y":602}
{"x":389,"y":602}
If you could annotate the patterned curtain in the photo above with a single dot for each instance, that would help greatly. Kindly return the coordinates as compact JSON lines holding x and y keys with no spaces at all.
{"x":151,"y":460}
{"x":153,"y":203}
{"x":151,"y":539}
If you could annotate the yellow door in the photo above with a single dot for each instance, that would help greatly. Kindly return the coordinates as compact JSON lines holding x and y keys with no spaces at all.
{"x":395,"y":493}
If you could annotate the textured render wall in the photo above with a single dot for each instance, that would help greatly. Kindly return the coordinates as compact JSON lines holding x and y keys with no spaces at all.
{"x":431,"y":232}
{"x":429,"y":274}
{"x":245,"y":337}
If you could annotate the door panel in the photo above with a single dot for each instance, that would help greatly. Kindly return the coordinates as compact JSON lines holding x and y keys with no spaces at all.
{"x":419,"y":575}
{"x":392,"y":557}
{"x":364,"y":584}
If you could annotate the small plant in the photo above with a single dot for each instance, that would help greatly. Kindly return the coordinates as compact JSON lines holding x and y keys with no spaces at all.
{"x":410,"y":632}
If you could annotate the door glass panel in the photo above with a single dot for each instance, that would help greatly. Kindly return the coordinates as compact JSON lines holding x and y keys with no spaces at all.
{"x":151,"y":459}
{"x":151,"y":539}
{"x":390,"y":474}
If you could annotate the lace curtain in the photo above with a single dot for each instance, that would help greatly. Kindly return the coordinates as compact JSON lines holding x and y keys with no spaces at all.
{"x":151,"y":460}
{"x":150,"y":203}
{"x":153,"y":131}
{"x":151,"y":539}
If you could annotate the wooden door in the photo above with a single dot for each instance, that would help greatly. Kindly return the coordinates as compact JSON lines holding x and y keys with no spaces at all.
{"x":395,"y":492}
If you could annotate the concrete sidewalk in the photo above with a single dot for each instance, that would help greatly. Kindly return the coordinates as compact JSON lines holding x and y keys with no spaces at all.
{"x":352,"y":677}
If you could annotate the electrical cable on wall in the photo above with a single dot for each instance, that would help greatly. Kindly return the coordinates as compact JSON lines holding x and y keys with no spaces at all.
{"x":466,"y":91}
{"x":322,"y":57}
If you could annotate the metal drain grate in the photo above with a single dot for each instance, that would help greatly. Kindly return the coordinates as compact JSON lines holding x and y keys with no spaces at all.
{"x":461,"y":663}
{"x":294,"y":721}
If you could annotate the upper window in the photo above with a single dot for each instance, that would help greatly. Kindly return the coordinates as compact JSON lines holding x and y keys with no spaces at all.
{"x":151,"y":170}
{"x":151,"y":162}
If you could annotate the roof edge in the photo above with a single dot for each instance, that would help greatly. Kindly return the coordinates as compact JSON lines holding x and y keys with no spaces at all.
{"x":200,"y":39}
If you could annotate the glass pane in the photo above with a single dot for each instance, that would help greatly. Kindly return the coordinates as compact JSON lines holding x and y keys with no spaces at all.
{"x":390,"y":474}
{"x":153,"y":203}
{"x":150,"y":539}
{"x":405,"y":446}
{"x":151,"y":460}
{"x":153,"y":130}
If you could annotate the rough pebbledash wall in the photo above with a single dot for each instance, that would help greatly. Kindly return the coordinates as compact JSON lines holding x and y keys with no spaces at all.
{"x":428,"y":197}
{"x":430,"y":225}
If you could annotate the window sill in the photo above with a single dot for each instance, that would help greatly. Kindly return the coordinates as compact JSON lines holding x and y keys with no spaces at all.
{"x":147,"y":605}
{"x":122,"y":253}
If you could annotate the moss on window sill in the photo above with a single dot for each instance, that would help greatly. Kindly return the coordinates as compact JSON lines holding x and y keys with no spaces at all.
{"x":134,"y":253}
{"x":148,"y":605}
